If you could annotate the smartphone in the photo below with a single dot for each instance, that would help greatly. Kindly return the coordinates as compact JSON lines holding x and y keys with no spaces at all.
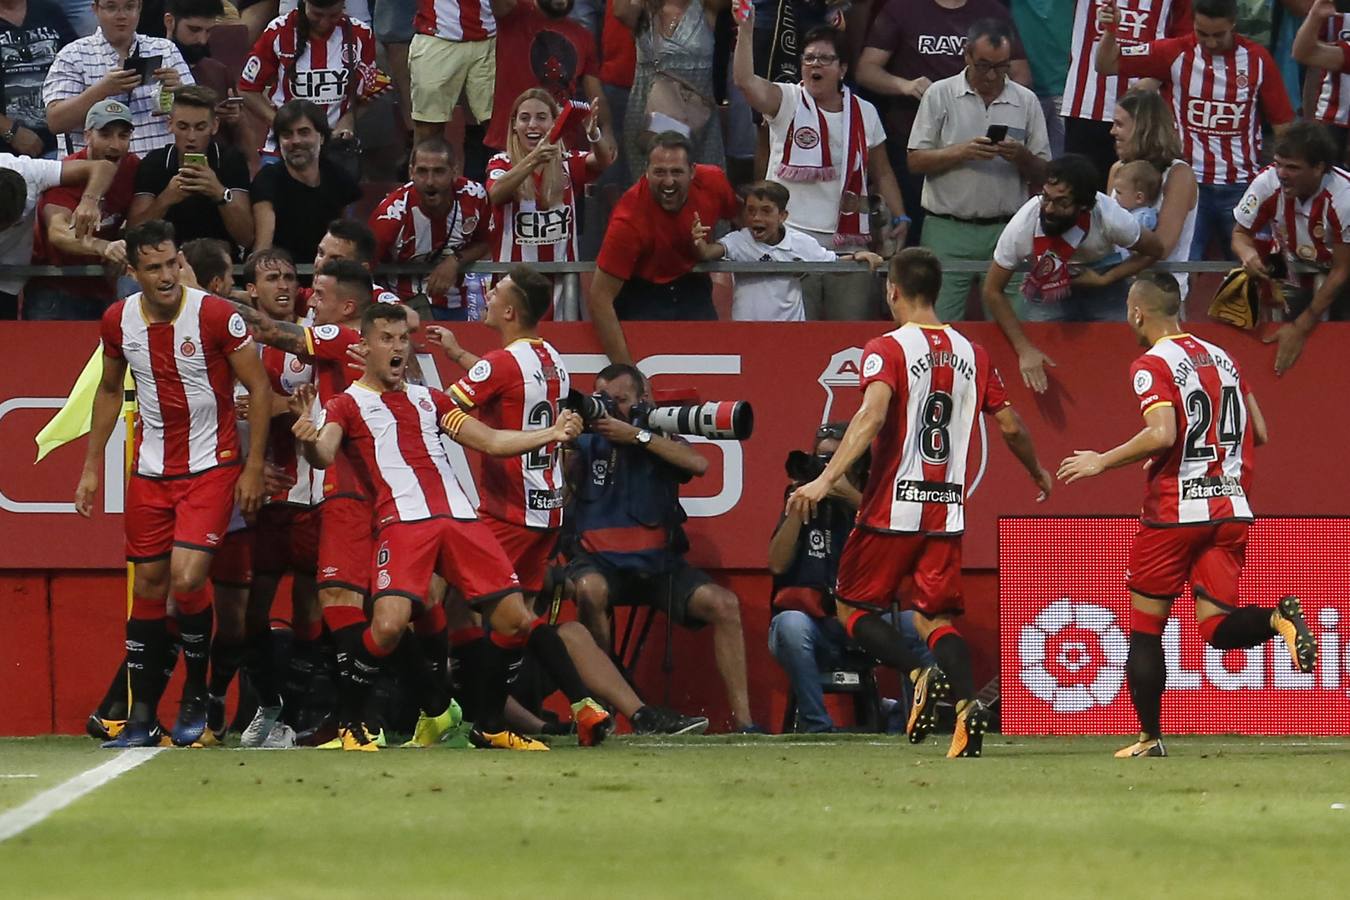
{"x":997,"y":133}
{"x":195,"y":159}
{"x":233,"y":101}
{"x":144,"y":66}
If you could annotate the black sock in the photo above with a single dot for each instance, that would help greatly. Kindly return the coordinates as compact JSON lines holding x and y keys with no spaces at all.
{"x":364,"y":668}
{"x":226,"y":657}
{"x":499,"y":667}
{"x":469,"y":676}
{"x":475,"y":152}
{"x":194,"y":629}
{"x":880,"y":639}
{"x":351,"y":692}
{"x":114,"y":705}
{"x":435,"y":649}
{"x":261,"y":667}
{"x":419,"y":677}
{"x":953,"y":656}
{"x":301,"y":668}
{"x":147,"y":643}
{"x":551,"y":652}
{"x":1147,"y":674}
{"x":1242,"y":628}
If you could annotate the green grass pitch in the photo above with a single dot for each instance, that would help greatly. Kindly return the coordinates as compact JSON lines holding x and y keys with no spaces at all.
{"x":708,"y":818}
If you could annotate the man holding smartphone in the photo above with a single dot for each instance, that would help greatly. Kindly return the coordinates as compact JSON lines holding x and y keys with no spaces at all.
{"x":113,"y":63}
{"x":980,"y":139}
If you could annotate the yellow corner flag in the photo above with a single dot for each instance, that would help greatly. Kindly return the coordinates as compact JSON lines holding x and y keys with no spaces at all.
{"x":71,"y":421}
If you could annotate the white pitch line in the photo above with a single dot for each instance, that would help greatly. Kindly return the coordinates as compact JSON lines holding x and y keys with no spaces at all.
{"x":15,"y":775}
{"x":21,"y":818}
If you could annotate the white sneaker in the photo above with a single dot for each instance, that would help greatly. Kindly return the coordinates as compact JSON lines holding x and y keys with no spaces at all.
{"x":281,"y":738}
{"x":260,"y":729}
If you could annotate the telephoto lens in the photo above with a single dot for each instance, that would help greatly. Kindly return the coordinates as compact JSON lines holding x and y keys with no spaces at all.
{"x":717,"y":420}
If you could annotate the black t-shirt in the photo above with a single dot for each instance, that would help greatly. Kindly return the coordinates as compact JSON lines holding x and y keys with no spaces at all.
{"x":26,"y":53}
{"x":303,"y":212}
{"x":195,"y":217}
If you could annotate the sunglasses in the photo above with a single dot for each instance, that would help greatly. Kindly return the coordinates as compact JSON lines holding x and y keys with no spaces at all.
{"x":832,"y":430}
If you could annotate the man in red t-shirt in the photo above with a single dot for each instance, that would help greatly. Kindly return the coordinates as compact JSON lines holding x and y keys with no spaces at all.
{"x":644,"y":270}
{"x":1221,"y":86}
{"x":107,"y":136}
{"x":561,"y":59}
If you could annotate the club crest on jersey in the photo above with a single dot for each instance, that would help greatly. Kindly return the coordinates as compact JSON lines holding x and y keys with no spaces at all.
{"x":1318,"y":232}
{"x":426,"y":405}
{"x":806,"y":138}
{"x":1241,"y":80}
{"x":871,"y":365}
{"x":1143,"y":380}
{"x":237,"y":327}
{"x":349,"y":53}
{"x":187,"y":348}
{"x":481,"y":371}
{"x":326,"y":332}
{"x":297,"y":365}
{"x":382,"y":581}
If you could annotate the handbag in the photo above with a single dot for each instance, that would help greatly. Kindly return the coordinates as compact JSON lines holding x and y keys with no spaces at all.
{"x":675,"y":98}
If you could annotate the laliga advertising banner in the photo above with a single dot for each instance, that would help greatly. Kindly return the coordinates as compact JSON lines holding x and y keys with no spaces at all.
{"x":796,"y":376}
{"x":1064,"y":623}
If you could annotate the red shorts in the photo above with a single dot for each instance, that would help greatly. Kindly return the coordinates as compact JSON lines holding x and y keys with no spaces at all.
{"x":345,"y":542}
{"x":288,"y":538}
{"x":875,"y":562}
{"x":233,"y":563}
{"x":191,"y":512}
{"x":462,"y":551}
{"x":1163,"y":560}
{"x":528,"y":550}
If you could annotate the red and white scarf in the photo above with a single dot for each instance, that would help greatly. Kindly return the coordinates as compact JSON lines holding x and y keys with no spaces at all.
{"x":1048,"y":280}
{"x":807,"y":157}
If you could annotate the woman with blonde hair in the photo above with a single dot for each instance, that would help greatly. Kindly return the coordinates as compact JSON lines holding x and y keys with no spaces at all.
{"x":534,"y":185}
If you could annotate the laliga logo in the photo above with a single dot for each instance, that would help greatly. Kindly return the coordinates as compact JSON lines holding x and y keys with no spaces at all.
{"x":844,"y":371}
{"x":1073,"y":656}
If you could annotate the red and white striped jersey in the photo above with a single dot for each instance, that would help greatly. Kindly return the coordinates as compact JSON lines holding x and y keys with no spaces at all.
{"x":404,"y":233}
{"x":1206,"y":475}
{"x":942,"y":381}
{"x":1215,"y":99}
{"x":287,"y":372}
{"x":522,"y":232}
{"x":518,"y":388}
{"x":1333,"y":92}
{"x":328,"y":72}
{"x":1304,"y":230}
{"x":456,"y":20}
{"x":184,"y":383}
{"x":334,"y":373}
{"x":1090,"y":95}
{"x":393,"y":440}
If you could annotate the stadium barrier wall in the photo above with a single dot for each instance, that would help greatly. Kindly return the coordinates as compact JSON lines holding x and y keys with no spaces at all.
{"x":63,"y":591}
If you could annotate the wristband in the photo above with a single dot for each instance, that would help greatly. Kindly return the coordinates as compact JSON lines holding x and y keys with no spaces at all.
{"x":900,"y":219}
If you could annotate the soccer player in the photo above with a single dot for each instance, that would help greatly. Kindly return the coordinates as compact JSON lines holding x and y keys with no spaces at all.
{"x":923,"y":386}
{"x":185,"y":349}
{"x":390,"y":430}
{"x":1201,"y":423}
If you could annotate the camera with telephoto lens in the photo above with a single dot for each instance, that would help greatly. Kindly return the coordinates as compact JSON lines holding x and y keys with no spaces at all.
{"x":803,"y":467}
{"x":717,"y":420}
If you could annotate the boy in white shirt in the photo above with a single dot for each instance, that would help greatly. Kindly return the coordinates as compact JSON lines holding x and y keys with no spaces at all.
{"x":767,"y":238}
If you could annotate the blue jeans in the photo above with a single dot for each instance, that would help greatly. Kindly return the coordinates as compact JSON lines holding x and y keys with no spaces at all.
{"x":805,"y":647}
{"x":1106,"y":304}
{"x":1214,"y":218}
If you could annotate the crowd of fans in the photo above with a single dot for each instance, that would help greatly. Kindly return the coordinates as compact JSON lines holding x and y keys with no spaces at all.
{"x":1088,"y":138}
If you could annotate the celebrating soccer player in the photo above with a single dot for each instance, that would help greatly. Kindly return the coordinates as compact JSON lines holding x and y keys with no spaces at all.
{"x":185,"y":349}
{"x":1200,"y":425}
{"x":923,"y":385}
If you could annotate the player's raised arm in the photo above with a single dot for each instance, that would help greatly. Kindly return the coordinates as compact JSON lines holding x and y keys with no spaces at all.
{"x":107,"y":404}
{"x":318,"y":445}
{"x":471,"y":433}
{"x":862,"y":429}
{"x":286,"y":336}
{"x":1018,"y":439}
{"x":1158,"y":434}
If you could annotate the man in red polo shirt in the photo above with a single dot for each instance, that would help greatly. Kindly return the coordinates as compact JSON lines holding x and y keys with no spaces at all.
{"x":644,"y":271}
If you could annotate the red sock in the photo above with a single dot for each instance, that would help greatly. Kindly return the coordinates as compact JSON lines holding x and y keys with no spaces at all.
{"x":336,"y":617}
{"x":1146,"y":623}
{"x":193,"y":602}
{"x":373,"y":646}
{"x":939,"y":633}
{"x":853,"y":621}
{"x":509,"y":641}
{"x":1209,"y":626}
{"x":461,"y":636}
{"x":431,"y":621}
{"x":149,"y":608}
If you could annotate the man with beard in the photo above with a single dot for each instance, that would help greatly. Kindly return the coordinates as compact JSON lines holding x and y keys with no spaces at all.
{"x":188,"y":24}
{"x":1067,"y":227}
{"x":562,"y":60}
{"x":293,"y":202}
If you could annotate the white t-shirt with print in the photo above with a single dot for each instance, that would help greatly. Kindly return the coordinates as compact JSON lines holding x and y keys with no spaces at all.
{"x":814,"y":205}
{"x":16,"y":241}
{"x":1112,"y":225}
{"x":771,"y":298}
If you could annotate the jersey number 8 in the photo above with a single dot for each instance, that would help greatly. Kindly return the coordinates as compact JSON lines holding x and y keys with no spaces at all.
{"x":934,"y":438}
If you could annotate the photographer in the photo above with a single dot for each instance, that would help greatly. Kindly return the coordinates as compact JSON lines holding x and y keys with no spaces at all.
{"x":628,"y":537}
{"x":804,"y":635}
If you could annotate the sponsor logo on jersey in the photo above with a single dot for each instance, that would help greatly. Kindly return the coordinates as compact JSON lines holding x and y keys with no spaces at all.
{"x":481,"y":371}
{"x":1213,"y":115}
{"x":1143,"y":380}
{"x":326,"y":332}
{"x":1210,"y":487}
{"x":236,"y":326}
{"x":322,"y":86}
{"x":544,"y":500}
{"x":928,"y":492}
{"x":544,"y":226}
{"x":871,"y":365}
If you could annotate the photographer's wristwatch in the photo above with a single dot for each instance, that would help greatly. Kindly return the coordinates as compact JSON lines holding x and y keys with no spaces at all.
{"x":643,"y":437}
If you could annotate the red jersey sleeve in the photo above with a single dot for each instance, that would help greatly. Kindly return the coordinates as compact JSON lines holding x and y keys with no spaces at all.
{"x":110,"y":330}
{"x":882,"y":362}
{"x":624,"y":243}
{"x":995,"y":392}
{"x":444,"y":405}
{"x":386,"y":227}
{"x":1180,"y":23}
{"x":498,"y":166}
{"x":223,"y":327}
{"x":485,"y":380}
{"x":260,"y":69}
{"x":577,"y":170}
{"x":473,"y":200}
{"x":1152,"y":60}
{"x":1275,"y":106}
{"x":339,"y":411}
{"x":330,"y":342}
{"x":1152,"y":383}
